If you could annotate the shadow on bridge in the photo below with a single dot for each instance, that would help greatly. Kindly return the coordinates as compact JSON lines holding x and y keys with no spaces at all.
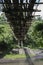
{"x":28,"y":58}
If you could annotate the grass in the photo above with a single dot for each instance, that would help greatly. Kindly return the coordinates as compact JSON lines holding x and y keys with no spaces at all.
{"x":16,"y":56}
{"x":13,"y":56}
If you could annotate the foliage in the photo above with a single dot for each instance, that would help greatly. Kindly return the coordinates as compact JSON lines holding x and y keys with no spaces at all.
{"x":35,"y":34}
{"x":6,"y":35}
{"x":16,"y":46}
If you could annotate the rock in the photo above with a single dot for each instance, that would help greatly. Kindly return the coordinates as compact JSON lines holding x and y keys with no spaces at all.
{"x":18,"y":51}
{"x":21,"y":51}
{"x":15,"y":51}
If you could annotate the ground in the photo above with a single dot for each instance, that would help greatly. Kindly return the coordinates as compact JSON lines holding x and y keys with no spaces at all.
{"x":31,"y":52}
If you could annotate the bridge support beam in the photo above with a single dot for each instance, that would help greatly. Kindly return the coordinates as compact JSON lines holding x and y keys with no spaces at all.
{"x":20,"y":43}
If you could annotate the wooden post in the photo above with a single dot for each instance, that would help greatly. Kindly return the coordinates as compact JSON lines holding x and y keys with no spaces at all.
{"x":21,"y":43}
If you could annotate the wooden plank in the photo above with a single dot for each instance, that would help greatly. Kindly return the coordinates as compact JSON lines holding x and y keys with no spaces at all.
{"x":21,"y":3}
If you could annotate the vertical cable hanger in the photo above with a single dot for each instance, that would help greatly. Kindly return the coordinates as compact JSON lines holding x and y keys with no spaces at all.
{"x":37,"y":6}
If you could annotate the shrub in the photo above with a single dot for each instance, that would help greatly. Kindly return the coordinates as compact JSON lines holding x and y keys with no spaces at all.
{"x":36,"y":34}
{"x":6,"y":37}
